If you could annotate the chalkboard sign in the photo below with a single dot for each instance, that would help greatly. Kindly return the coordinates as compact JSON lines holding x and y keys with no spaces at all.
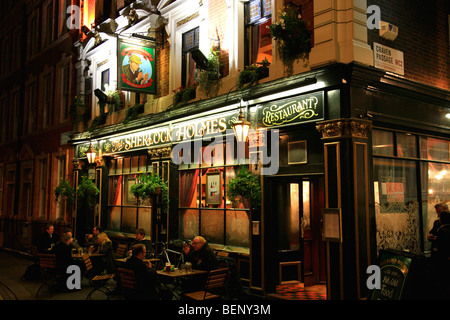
{"x":394,"y":268}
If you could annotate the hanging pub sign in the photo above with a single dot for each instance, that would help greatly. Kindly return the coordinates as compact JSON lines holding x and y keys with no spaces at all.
{"x":299,"y":109}
{"x":136,"y":68}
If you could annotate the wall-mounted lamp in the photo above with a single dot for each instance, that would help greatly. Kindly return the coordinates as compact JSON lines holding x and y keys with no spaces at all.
{"x":241,"y":127}
{"x":90,"y":154}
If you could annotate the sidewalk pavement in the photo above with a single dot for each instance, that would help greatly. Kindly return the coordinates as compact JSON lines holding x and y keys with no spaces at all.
{"x":12,"y":287}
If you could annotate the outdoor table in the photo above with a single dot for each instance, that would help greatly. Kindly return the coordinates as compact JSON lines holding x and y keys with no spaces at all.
{"x":176,"y":276}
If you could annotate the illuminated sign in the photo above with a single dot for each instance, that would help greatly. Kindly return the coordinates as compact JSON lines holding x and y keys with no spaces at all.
{"x":136,"y":68}
{"x":303,"y":108}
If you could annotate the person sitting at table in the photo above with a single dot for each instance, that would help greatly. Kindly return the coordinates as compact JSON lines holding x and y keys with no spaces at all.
{"x":46,"y":241}
{"x":104,"y":246}
{"x":63,"y":255}
{"x":202,"y":256}
{"x":140,"y":239}
{"x":145,"y":276}
{"x":74,"y":244}
{"x":92,"y":238}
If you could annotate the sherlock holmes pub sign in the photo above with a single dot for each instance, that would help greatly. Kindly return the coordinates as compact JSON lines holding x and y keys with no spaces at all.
{"x":294,"y":110}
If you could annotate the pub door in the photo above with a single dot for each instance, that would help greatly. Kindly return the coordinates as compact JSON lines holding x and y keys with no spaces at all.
{"x":296,"y":208}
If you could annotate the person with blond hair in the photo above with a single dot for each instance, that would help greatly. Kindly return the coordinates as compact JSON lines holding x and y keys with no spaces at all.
{"x":105,"y":247}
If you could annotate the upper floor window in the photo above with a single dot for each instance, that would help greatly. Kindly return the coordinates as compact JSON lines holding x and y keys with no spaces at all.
{"x":47,"y":99}
{"x":33,"y":35}
{"x":48,"y":24}
{"x":258,"y":44}
{"x":190,"y":43}
{"x":65,"y":103}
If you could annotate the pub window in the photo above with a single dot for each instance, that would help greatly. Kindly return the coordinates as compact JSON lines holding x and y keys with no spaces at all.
{"x":258,"y":44}
{"x":88,"y":93}
{"x":61,"y":174}
{"x":190,"y":43}
{"x":403,"y":163}
{"x":42,"y":187}
{"x":125,"y":215}
{"x":204,"y":207}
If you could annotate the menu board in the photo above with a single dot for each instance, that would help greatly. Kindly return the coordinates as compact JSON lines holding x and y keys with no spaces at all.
{"x":394,"y":273}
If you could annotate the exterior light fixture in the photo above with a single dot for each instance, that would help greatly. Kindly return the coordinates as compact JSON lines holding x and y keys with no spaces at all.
{"x":90,"y":154}
{"x":241,"y":127}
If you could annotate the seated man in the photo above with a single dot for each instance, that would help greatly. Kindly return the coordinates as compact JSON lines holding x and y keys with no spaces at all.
{"x":46,"y":241}
{"x":140,"y":239}
{"x":202,"y":257}
{"x":146,"y":281}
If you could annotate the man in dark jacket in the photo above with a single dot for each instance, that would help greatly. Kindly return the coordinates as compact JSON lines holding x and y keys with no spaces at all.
{"x":145,"y":276}
{"x":202,"y":257}
{"x":443,"y":255}
{"x":46,"y":241}
{"x":140,"y":239}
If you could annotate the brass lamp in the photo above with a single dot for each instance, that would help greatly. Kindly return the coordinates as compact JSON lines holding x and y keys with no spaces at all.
{"x":241,"y":127}
{"x":90,"y":154}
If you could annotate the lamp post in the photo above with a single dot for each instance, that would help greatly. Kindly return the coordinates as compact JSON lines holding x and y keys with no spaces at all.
{"x":90,"y":154}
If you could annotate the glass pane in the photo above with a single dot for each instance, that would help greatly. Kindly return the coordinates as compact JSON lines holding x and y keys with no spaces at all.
{"x":383,"y":142}
{"x":237,"y":229}
{"x":212,"y":226}
{"x":306,"y":206}
{"x":189,"y":188}
{"x":119,"y":165}
{"x":189,"y":224}
{"x":114,"y":218}
{"x":128,"y":197}
{"x":134,"y":164}
{"x":129,"y":219}
{"x":435,"y":149}
{"x":406,"y":145}
{"x":396,"y":205}
{"x":115,"y":189}
{"x":143,"y":163}
{"x":126,"y":165}
{"x":145,"y":220}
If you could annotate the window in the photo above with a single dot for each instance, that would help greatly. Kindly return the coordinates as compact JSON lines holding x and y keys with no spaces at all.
{"x":204,"y":207}
{"x":33,"y":36}
{"x":88,"y":93}
{"x":61,"y":174}
{"x":25,"y":191}
{"x":190,"y":43}
{"x":47,"y":100}
{"x":105,"y":79}
{"x":411,"y":175}
{"x":124,"y":213}
{"x":4,"y":114}
{"x":42,"y":187}
{"x":13,"y":117}
{"x":258,"y":41}
{"x":31,"y":108}
{"x":48,"y":24}
{"x":65,"y":92}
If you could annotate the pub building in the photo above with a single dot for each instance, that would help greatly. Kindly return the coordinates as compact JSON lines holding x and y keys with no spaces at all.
{"x":351,"y":159}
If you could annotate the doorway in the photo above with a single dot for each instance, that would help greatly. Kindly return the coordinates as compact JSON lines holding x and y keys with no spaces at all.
{"x":295,"y":210}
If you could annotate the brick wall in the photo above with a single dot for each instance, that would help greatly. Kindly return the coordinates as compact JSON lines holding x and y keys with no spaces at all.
{"x":162,"y":68}
{"x":423,"y":37}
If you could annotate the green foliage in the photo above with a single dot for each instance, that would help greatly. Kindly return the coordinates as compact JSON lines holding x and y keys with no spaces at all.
{"x":182,"y":96}
{"x":133,"y":112}
{"x":252,"y":74}
{"x":87,"y":192}
{"x":292,"y":37}
{"x":147,"y":186}
{"x":79,"y":112}
{"x":210,"y":79}
{"x":64,"y":191}
{"x":245,"y":185}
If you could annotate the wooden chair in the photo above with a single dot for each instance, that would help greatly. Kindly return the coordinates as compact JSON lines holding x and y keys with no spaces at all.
{"x":47,"y":266}
{"x":217,"y":280}
{"x":127,"y":283}
{"x":97,"y":280}
{"x":120,"y":251}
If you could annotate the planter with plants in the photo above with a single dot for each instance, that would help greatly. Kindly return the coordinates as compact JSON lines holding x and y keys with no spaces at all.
{"x":149,"y":185}
{"x":245,"y":187}
{"x":292,"y":38}
{"x":64,"y":191}
{"x":252,"y":74}
{"x":209,"y":79}
{"x":133,"y":113}
{"x":87,"y":193}
{"x":79,"y":113}
{"x":183,"y":95}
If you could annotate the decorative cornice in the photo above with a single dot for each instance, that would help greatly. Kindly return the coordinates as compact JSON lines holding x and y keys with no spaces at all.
{"x":344,"y":128}
{"x":156,"y":153}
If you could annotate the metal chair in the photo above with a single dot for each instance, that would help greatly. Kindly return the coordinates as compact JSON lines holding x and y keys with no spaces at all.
{"x":47,"y":266}
{"x":97,"y":280}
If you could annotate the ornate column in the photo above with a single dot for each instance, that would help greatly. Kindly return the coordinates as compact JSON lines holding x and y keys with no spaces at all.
{"x":347,"y":189}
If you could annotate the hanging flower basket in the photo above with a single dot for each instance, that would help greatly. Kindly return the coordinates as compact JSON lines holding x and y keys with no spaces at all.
{"x":292,"y":38}
{"x":245,"y":187}
{"x":149,"y":185}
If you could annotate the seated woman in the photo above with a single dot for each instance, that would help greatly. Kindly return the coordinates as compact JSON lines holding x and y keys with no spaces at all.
{"x":105,"y":247}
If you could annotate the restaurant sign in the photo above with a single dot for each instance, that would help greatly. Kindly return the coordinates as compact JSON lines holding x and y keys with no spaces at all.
{"x":199,"y":128}
{"x":300,"y":109}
